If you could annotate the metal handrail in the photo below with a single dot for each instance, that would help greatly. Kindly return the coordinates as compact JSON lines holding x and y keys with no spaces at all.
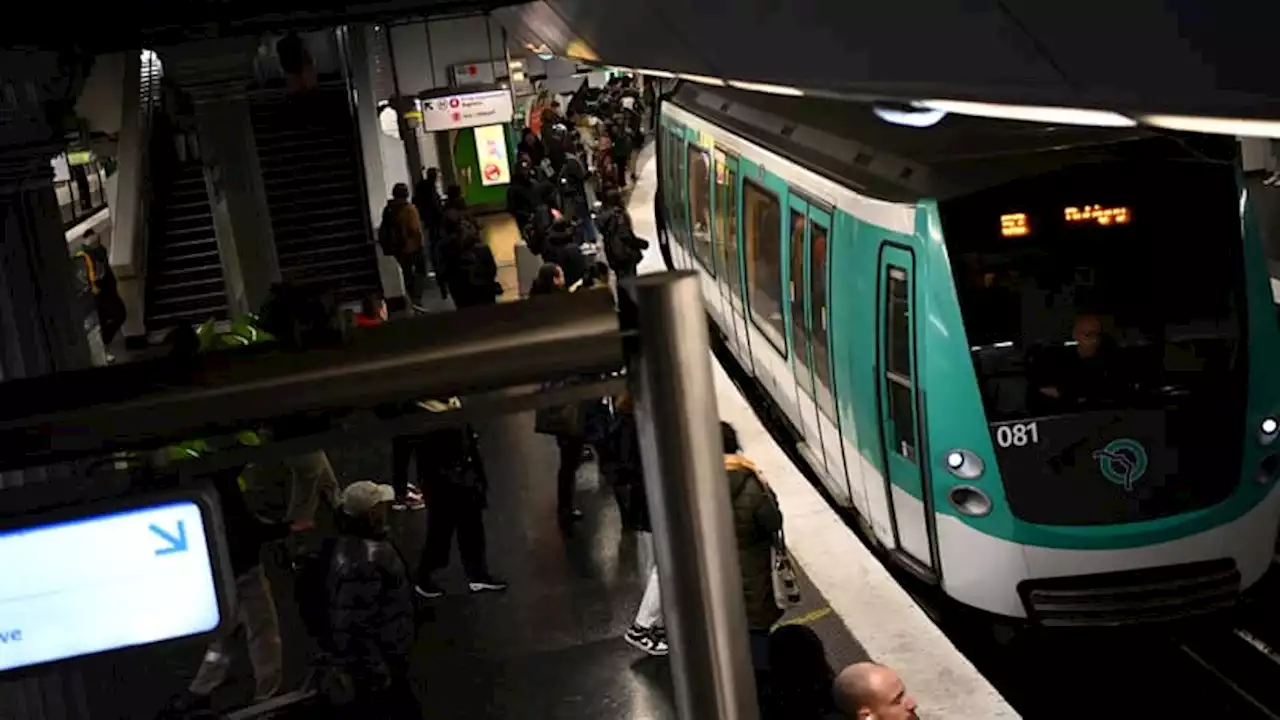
{"x":149,"y":404}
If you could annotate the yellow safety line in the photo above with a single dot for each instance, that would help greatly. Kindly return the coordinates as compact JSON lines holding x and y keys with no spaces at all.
{"x":808,"y":618}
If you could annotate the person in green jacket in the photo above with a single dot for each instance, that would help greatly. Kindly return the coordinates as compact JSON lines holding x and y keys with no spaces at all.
{"x":757,"y":522}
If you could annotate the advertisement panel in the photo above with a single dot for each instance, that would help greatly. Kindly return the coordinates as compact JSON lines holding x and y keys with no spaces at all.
{"x":464,"y":110}
{"x":491,"y":151}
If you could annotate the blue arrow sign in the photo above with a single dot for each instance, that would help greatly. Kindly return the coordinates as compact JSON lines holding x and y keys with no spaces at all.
{"x":175,"y":544}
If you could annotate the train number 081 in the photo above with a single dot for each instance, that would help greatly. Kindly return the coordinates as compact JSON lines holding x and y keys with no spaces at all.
{"x":1018,"y":435}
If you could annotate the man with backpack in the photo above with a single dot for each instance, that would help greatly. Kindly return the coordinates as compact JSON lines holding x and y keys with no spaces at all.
{"x":365,"y":620}
{"x":400,"y":237}
{"x":622,"y":248}
{"x":471,"y":270}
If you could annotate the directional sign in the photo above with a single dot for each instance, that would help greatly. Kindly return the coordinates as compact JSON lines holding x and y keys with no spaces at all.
{"x":468,"y":109}
{"x":104,"y":582}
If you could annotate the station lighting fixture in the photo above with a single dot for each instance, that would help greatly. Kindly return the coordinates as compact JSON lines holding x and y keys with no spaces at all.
{"x":909,"y":116}
{"x":1239,"y":127}
{"x":704,"y":79}
{"x":769,"y":88}
{"x":1030,"y":113}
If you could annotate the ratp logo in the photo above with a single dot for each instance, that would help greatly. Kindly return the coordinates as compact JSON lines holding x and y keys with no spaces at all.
{"x":1122,"y":462}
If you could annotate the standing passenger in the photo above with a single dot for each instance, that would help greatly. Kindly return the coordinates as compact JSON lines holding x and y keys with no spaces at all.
{"x":400,"y":236}
{"x":757,"y":522}
{"x":620,"y":463}
{"x":426,"y":198}
{"x":371,"y":607}
{"x":453,"y":476}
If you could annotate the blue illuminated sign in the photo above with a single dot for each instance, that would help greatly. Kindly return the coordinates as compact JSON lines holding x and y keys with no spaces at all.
{"x":105,"y":582}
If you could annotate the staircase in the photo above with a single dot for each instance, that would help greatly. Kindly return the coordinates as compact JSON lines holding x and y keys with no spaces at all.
{"x":309,"y":157}
{"x":184,"y":271}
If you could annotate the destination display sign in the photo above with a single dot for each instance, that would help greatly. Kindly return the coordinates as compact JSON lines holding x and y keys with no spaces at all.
{"x":464,"y":110}
{"x":104,"y":582}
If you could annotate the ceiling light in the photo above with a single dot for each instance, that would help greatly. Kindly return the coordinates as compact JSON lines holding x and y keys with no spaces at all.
{"x":910,"y":117}
{"x":704,"y":79}
{"x":1030,"y":113}
{"x":1241,"y":127}
{"x":767,"y":88}
{"x":656,"y":73}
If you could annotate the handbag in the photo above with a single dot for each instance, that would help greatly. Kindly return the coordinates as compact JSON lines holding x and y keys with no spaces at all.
{"x":566,"y":421}
{"x":786,"y":587}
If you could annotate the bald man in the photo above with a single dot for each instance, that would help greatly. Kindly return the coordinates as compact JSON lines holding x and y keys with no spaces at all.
{"x":870,"y":691}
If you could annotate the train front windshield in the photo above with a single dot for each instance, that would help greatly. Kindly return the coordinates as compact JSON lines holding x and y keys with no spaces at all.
{"x":1103,"y":304}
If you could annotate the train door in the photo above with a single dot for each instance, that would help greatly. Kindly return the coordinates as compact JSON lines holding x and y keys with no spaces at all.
{"x":801,"y":340}
{"x":680,"y":191}
{"x":701,"y":218}
{"x":899,"y":421}
{"x":824,"y":387}
{"x":726,"y":239}
{"x":673,"y":187}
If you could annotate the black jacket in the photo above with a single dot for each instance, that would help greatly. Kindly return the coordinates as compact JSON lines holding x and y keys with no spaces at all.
{"x":621,"y":246}
{"x":620,"y":464}
{"x":562,"y":251}
{"x":370,"y":606}
{"x":450,"y":459}
{"x":522,"y":201}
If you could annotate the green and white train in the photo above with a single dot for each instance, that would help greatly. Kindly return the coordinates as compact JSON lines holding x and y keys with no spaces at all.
{"x":1033,"y":360}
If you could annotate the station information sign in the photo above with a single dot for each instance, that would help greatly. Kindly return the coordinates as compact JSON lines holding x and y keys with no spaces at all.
{"x":91,"y":584}
{"x":464,"y":110}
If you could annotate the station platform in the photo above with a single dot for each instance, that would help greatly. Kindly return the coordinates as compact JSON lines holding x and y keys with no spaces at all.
{"x":551,"y":646}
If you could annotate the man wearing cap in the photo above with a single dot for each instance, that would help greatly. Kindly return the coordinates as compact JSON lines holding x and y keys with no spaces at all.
{"x":371,"y":604}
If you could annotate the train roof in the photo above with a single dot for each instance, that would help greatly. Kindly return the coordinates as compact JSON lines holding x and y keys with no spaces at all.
{"x":960,"y":155}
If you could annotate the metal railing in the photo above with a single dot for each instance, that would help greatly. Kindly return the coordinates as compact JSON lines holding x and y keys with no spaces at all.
{"x":497,"y":357}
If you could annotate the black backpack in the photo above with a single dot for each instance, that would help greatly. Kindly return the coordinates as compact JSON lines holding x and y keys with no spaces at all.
{"x":473,"y":268}
{"x":390,"y":237}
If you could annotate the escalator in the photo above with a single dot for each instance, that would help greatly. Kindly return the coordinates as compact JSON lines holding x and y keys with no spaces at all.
{"x":308,"y":153}
{"x":185,"y":282}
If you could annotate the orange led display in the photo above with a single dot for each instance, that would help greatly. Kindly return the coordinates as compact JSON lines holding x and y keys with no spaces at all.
{"x":1098,"y":214}
{"x":1014,"y":225}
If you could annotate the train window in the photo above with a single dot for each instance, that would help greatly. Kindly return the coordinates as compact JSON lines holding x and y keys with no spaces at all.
{"x":722,"y":245}
{"x":700,"y":206}
{"x":818,"y":305}
{"x":897,"y":325}
{"x":728,"y":194}
{"x":799,"y":334}
{"x":762,"y":217}
{"x":672,"y":188}
{"x":681,"y":190}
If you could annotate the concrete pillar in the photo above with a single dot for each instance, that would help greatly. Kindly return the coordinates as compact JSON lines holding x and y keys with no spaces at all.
{"x":42,"y":315}
{"x":359,"y":42}
{"x":242,"y":219}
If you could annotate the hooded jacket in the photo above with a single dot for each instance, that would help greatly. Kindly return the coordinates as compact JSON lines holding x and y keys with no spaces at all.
{"x":757,"y":522}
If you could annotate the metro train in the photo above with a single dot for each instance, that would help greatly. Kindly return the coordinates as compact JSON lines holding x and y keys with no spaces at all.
{"x":1031,"y":359}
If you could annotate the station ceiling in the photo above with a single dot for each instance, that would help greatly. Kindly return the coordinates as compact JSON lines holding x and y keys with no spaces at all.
{"x":1203,"y":57}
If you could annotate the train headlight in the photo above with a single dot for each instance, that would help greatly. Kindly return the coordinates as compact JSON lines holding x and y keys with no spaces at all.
{"x":970,"y":501}
{"x":1268,"y":430}
{"x":1268,"y":469}
{"x":964,"y":464}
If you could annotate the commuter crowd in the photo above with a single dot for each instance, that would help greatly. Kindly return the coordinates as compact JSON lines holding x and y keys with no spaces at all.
{"x":358,"y":597}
